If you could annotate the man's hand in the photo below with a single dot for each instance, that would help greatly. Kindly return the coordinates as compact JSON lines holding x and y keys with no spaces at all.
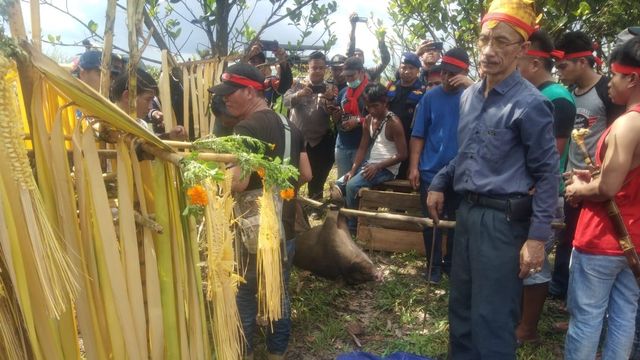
{"x":350,"y":123}
{"x":331,"y":93}
{"x":414,"y":177}
{"x":348,"y":176}
{"x":574,"y":180}
{"x":370,"y":170}
{"x":461,"y":80}
{"x":531,"y":258}
{"x":255,"y":50}
{"x":281,"y":55}
{"x":178,"y":133}
{"x":353,"y":18}
{"x":435,"y":204}
{"x":304,"y":92}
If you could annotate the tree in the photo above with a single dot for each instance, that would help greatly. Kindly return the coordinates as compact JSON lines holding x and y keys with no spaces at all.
{"x":455,"y":22}
{"x":224,"y":22}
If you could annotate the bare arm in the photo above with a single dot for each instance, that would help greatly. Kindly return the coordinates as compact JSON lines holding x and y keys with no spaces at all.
{"x":416,"y":145}
{"x":621,"y":156}
{"x":362,"y":149}
{"x":238,"y":183}
{"x":305,"y":169}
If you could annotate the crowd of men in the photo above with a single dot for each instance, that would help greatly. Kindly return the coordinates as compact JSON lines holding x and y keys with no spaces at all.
{"x":488,"y":154}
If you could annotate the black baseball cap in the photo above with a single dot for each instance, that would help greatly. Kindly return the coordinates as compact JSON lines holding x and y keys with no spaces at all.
{"x":455,"y":60}
{"x":92,"y":59}
{"x":239,"y":76}
{"x":352,"y":65}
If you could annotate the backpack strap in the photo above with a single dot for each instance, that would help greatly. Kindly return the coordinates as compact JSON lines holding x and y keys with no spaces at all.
{"x":287,"y":137}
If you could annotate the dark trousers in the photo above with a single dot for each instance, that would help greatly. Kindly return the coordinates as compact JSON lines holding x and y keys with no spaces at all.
{"x":484,"y":300}
{"x":321,"y":158}
{"x":451,"y":203}
{"x":560,"y":277}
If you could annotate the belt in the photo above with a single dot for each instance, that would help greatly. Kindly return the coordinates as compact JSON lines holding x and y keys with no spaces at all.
{"x":490,"y":202}
{"x":517,"y":207}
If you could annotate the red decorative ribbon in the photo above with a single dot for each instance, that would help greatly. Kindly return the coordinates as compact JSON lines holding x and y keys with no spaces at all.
{"x":556,"y":54}
{"x":241,"y":80}
{"x":529,"y":29}
{"x":455,"y":62}
{"x":625,"y":69}
{"x":582,"y":54}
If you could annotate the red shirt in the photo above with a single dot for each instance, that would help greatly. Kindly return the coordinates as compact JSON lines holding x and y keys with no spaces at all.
{"x":595,"y":233}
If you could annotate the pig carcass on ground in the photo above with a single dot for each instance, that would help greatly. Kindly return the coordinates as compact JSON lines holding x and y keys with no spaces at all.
{"x":328,"y":250}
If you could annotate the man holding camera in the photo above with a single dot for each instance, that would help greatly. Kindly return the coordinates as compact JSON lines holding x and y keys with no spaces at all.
{"x":308,"y":101}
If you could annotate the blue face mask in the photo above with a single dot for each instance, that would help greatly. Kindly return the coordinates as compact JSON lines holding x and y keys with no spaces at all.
{"x":354,"y":84}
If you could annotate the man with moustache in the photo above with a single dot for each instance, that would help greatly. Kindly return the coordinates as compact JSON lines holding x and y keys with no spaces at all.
{"x":506,"y":149}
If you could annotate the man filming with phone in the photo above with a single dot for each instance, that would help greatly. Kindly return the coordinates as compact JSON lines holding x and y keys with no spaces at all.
{"x":275,"y":85}
{"x":310,"y":101}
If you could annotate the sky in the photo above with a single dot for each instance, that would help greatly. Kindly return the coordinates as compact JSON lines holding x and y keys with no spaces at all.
{"x":56,"y":23}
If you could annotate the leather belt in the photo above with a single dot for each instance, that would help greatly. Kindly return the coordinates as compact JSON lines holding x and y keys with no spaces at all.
{"x":490,"y":202}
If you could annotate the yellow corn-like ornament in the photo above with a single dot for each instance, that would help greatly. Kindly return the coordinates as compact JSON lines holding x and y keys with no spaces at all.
{"x":269,"y":264}
{"x":221,"y":277}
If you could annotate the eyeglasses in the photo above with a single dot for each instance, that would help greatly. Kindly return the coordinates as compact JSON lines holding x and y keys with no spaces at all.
{"x":498,"y":43}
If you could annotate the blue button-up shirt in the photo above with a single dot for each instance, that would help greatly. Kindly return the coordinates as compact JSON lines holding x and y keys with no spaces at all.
{"x":506,"y":148}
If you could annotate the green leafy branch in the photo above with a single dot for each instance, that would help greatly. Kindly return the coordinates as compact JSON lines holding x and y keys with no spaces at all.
{"x":251,"y":154}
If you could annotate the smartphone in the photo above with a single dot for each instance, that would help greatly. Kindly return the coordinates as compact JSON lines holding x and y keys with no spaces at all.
{"x":269,"y":45}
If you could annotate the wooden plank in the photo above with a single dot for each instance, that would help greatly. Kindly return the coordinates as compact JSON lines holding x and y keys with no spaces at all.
{"x":374,"y":199}
{"x":395,"y":185}
{"x":390,"y":224}
{"x":390,"y":240}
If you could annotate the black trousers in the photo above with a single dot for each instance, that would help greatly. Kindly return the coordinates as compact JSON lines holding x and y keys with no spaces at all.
{"x":321,"y":158}
{"x":560,"y":277}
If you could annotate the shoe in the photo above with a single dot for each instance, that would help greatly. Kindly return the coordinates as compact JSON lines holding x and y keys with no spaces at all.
{"x":435,"y":277}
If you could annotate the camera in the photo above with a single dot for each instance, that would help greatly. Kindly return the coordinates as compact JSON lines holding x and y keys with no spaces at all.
{"x":319,"y":89}
{"x":269,"y":45}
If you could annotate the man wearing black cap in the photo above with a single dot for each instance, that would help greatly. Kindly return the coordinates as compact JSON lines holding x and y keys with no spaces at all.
{"x":349,"y":113}
{"x":403,"y":97}
{"x":337,"y":65}
{"x":308,"y":100}
{"x":374,"y":72}
{"x":242,"y":89}
{"x":433,"y":144}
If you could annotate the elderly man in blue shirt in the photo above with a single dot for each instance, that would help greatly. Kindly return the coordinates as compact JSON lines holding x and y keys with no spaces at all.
{"x":506,"y":170}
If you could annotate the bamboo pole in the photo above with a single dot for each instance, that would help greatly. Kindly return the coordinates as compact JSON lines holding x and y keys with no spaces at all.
{"x":36,"y":30}
{"x":105,"y":72}
{"x":421,"y":221}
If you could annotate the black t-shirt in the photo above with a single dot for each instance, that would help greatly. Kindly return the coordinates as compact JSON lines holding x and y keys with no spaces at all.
{"x":398,"y":105}
{"x":267,"y":126}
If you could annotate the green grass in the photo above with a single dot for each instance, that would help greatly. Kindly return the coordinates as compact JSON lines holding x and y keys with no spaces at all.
{"x":400,"y":313}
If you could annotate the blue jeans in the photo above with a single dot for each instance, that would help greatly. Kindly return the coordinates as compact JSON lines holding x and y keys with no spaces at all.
{"x":600,"y":285}
{"x":344,"y":159}
{"x":351,"y":188}
{"x":451,"y":203}
{"x":635,"y":353}
{"x":247,"y":301}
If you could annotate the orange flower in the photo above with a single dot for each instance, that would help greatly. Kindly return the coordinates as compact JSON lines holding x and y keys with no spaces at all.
{"x":261,"y":172}
{"x":197,"y":195}
{"x":287,"y":194}
{"x":272,"y":146}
